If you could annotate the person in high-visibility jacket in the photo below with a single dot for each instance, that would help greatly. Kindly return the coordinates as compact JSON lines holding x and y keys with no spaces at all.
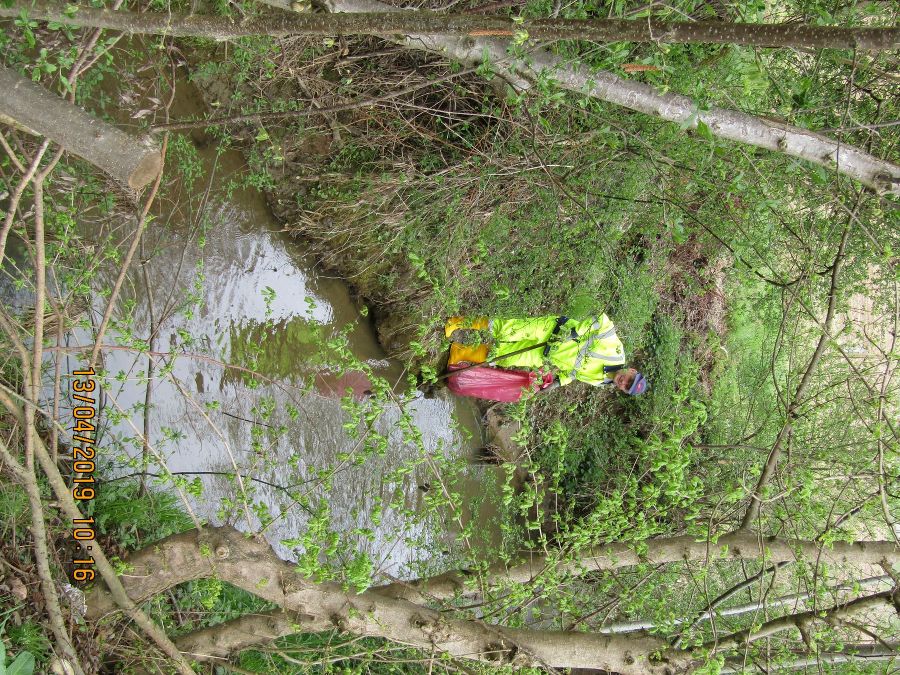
{"x":587,"y":350}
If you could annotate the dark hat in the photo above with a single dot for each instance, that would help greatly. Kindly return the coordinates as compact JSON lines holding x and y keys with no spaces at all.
{"x":639,"y":386}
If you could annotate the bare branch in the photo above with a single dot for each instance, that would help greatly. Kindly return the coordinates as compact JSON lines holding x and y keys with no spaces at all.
{"x":753,"y":509}
{"x":437,"y":33}
{"x":126,"y":263}
{"x":117,"y":592}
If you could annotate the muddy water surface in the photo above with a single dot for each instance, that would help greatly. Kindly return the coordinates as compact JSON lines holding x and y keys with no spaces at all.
{"x":217,"y":282}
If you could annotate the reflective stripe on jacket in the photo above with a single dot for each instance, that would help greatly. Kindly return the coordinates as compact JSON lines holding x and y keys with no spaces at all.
{"x":579,"y":350}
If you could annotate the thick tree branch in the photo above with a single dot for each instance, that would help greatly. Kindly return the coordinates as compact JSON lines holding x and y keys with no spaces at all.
{"x":424,"y":31}
{"x":314,"y":607}
{"x":832,"y":616}
{"x":132,"y":161}
{"x":232,"y":636}
{"x":880,"y":175}
{"x":735,"y":546}
{"x":385,"y":24}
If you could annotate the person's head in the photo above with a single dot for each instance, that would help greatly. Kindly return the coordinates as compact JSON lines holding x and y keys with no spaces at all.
{"x":630,"y":381}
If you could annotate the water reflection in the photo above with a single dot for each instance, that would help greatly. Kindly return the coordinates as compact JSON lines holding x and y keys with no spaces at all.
{"x":218,"y":283}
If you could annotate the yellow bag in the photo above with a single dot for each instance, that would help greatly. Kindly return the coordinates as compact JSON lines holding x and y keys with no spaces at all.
{"x":454,"y":322}
{"x":468,"y":354}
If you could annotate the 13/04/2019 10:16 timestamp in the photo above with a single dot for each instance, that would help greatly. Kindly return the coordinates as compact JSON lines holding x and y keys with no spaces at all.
{"x":84,"y":465}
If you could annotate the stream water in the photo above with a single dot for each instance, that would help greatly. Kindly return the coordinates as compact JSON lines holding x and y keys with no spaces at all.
{"x":220,"y":284}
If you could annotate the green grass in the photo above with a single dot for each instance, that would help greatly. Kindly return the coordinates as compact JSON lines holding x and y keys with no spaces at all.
{"x":133,"y":520}
{"x":29,"y":636}
{"x":14,"y":517}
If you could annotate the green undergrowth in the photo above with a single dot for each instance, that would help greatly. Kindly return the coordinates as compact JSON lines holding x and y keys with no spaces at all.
{"x":568,"y":213}
{"x":525,"y":204}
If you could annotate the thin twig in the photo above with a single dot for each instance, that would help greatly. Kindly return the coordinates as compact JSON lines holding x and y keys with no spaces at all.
{"x":755,"y":505}
{"x":325,"y":110}
{"x":126,"y":263}
{"x":17,"y":195}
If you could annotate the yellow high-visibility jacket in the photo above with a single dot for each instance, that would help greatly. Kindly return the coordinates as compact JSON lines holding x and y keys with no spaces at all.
{"x":585,"y":350}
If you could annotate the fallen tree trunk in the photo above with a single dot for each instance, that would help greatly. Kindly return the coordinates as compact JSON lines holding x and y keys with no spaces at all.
{"x":307,"y":606}
{"x":878,"y":174}
{"x":132,"y":161}
{"x":735,"y":546}
{"x":392,"y":611}
{"x":251,"y":565}
{"x":729,"y":547}
{"x":230,"y":637}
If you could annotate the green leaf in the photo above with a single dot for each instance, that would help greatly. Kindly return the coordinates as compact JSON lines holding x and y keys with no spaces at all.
{"x":688,"y":123}
{"x":263,"y":135}
{"x":484,"y":68}
{"x":703,"y":130}
{"x":23,"y":665}
{"x":821,"y":176}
